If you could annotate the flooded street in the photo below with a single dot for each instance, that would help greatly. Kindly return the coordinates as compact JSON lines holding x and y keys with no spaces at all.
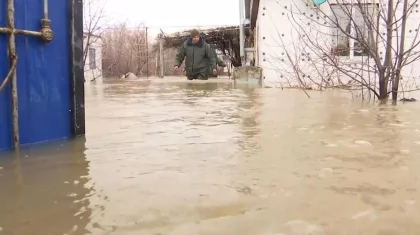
{"x":194,"y":158}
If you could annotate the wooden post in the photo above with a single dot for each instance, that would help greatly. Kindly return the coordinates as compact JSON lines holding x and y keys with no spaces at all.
{"x":157,"y":66}
{"x":161,"y":74}
{"x":147,"y":54}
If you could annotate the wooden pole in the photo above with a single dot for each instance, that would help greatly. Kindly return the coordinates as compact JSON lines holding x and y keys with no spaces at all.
{"x":157,"y":65}
{"x":161,"y":56}
{"x":147,"y":53}
{"x":13,"y":58}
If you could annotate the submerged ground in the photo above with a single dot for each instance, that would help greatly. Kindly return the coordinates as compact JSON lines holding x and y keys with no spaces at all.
{"x":208,"y":158}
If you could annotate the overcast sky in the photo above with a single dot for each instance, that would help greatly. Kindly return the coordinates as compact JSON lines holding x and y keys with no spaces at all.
{"x":171,"y":14}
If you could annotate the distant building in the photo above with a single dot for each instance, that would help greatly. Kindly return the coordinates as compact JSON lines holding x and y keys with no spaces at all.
{"x":92,"y":49}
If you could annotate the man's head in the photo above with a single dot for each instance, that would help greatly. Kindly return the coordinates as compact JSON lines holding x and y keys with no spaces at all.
{"x":195,"y":35}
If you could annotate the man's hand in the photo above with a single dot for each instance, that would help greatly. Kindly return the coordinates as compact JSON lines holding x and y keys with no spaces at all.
{"x":214,"y":71}
{"x":176,"y":68}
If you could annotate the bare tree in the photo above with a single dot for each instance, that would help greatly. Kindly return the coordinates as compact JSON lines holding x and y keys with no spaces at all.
{"x":113,"y":41}
{"x":357,"y":44}
{"x":94,"y":24}
{"x":139,"y":44}
{"x":125,"y":50}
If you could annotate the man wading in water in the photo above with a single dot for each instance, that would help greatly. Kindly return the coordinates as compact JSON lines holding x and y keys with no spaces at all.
{"x":198,"y":57}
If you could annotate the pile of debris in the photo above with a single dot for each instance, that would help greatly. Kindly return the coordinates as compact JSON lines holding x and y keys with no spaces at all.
{"x":129,"y":76}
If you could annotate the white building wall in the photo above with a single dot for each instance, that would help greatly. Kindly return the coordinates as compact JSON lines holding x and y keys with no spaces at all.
{"x":286,"y":60}
{"x":93,"y":74}
{"x":277,"y":40}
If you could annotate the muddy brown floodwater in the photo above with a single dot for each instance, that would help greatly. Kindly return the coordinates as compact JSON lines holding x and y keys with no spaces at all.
{"x":178,"y":158}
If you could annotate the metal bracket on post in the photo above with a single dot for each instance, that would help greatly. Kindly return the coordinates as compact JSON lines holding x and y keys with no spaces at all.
{"x":46,"y":34}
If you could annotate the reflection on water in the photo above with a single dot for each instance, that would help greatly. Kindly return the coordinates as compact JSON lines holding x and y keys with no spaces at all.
{"x":176,"y":158}
{"x":46,"y":190}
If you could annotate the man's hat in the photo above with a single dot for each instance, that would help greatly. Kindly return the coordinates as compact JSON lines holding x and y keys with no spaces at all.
{"x":194,"y":33}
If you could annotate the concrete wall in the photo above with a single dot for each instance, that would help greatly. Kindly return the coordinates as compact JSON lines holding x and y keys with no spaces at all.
{"x":95,"y":44}
{"x":278,"y":35}
{"x":48,"y":74}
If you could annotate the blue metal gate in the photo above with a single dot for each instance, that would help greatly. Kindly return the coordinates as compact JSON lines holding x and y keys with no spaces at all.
{"x":49,"y":74}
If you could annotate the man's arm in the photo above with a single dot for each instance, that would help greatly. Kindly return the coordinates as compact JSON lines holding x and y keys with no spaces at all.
{"x":180,"y":56}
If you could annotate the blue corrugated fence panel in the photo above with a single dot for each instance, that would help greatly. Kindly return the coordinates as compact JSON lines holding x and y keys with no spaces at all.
{"x":43,"y":75}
